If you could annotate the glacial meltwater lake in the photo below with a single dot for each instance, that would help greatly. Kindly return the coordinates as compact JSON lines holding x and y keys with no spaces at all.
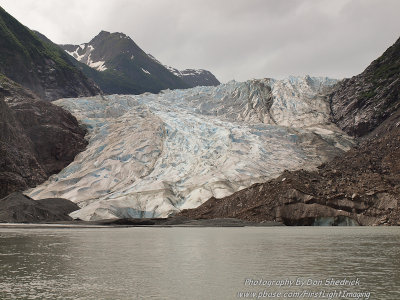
{"x":200,"y":263}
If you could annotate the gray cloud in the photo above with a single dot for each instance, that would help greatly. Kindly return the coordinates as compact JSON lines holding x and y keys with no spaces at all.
{"x":235,"y":39}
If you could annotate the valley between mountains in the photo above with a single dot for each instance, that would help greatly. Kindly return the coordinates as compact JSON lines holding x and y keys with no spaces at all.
{"x":154,"y":154}
{"x":123,"y":136}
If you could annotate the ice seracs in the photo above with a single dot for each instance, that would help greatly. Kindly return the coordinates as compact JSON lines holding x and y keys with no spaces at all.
{"x":152,"y":155}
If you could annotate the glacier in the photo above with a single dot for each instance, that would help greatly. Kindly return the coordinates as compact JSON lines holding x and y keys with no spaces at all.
{"x":152,"y":155}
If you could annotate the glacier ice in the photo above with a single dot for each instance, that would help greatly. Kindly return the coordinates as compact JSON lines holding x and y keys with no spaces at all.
{"x":152,"y":155}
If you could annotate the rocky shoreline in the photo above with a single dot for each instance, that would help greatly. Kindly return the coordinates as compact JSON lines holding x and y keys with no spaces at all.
{"x":18,"y":210}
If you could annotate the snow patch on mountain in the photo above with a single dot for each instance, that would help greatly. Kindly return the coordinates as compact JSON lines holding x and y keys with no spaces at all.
{"x":75,"y":54}
{"x":192,"y":77}
{"x":145,"y":71}
{"x":153,"y":58}
{"x":85,"y":57}
{"x":174,"y":71}
{"x":99,"y":65}
{"x":152,"y":155}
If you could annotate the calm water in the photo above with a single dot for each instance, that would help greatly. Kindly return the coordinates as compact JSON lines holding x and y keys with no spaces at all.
{"x":196,"y":263}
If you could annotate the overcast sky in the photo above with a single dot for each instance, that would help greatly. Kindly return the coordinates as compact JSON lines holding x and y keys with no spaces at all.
{"x":235,"y":39}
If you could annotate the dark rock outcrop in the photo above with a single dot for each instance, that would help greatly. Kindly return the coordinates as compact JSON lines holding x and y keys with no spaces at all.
{"x":37,"y":138}
{"x":19,"y":167}
{"x":362,"y":102}
{"x":38,"y":65}
{"x":18,"y":208}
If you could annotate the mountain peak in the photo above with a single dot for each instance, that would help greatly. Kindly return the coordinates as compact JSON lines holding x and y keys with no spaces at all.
{"x":104,"y":35}
{"x":132,"y":69}
{"x":113,"y":43}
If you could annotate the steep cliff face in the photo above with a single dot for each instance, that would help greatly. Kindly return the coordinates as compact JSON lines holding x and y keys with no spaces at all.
{"x":19,"y":167}
{"x":362,"y":102}
{"x":37,"y":65}
{"x":37,"y":138}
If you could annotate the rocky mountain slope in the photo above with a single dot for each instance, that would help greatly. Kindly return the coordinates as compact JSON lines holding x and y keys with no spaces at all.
{"x":197,"y":77}
{"x":192,"y":77}
{"x":16,"y":154}
{"x":364,"y":101}
{"x":117,"y":55}
{"x":152,"y":155}
{"x":37,"y":138}
{"x":112,"y":81}
{"x":37,"y":65}
{"x":121,"y":67}
{"x":360,"y":187}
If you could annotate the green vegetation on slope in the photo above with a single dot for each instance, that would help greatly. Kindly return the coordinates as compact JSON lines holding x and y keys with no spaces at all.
{"x":37,"y":64}
{"x":21,"y":43}
{"x":388,"y":65}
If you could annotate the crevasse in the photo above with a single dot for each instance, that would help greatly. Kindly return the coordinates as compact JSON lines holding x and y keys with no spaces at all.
{"x":152,"y":155}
